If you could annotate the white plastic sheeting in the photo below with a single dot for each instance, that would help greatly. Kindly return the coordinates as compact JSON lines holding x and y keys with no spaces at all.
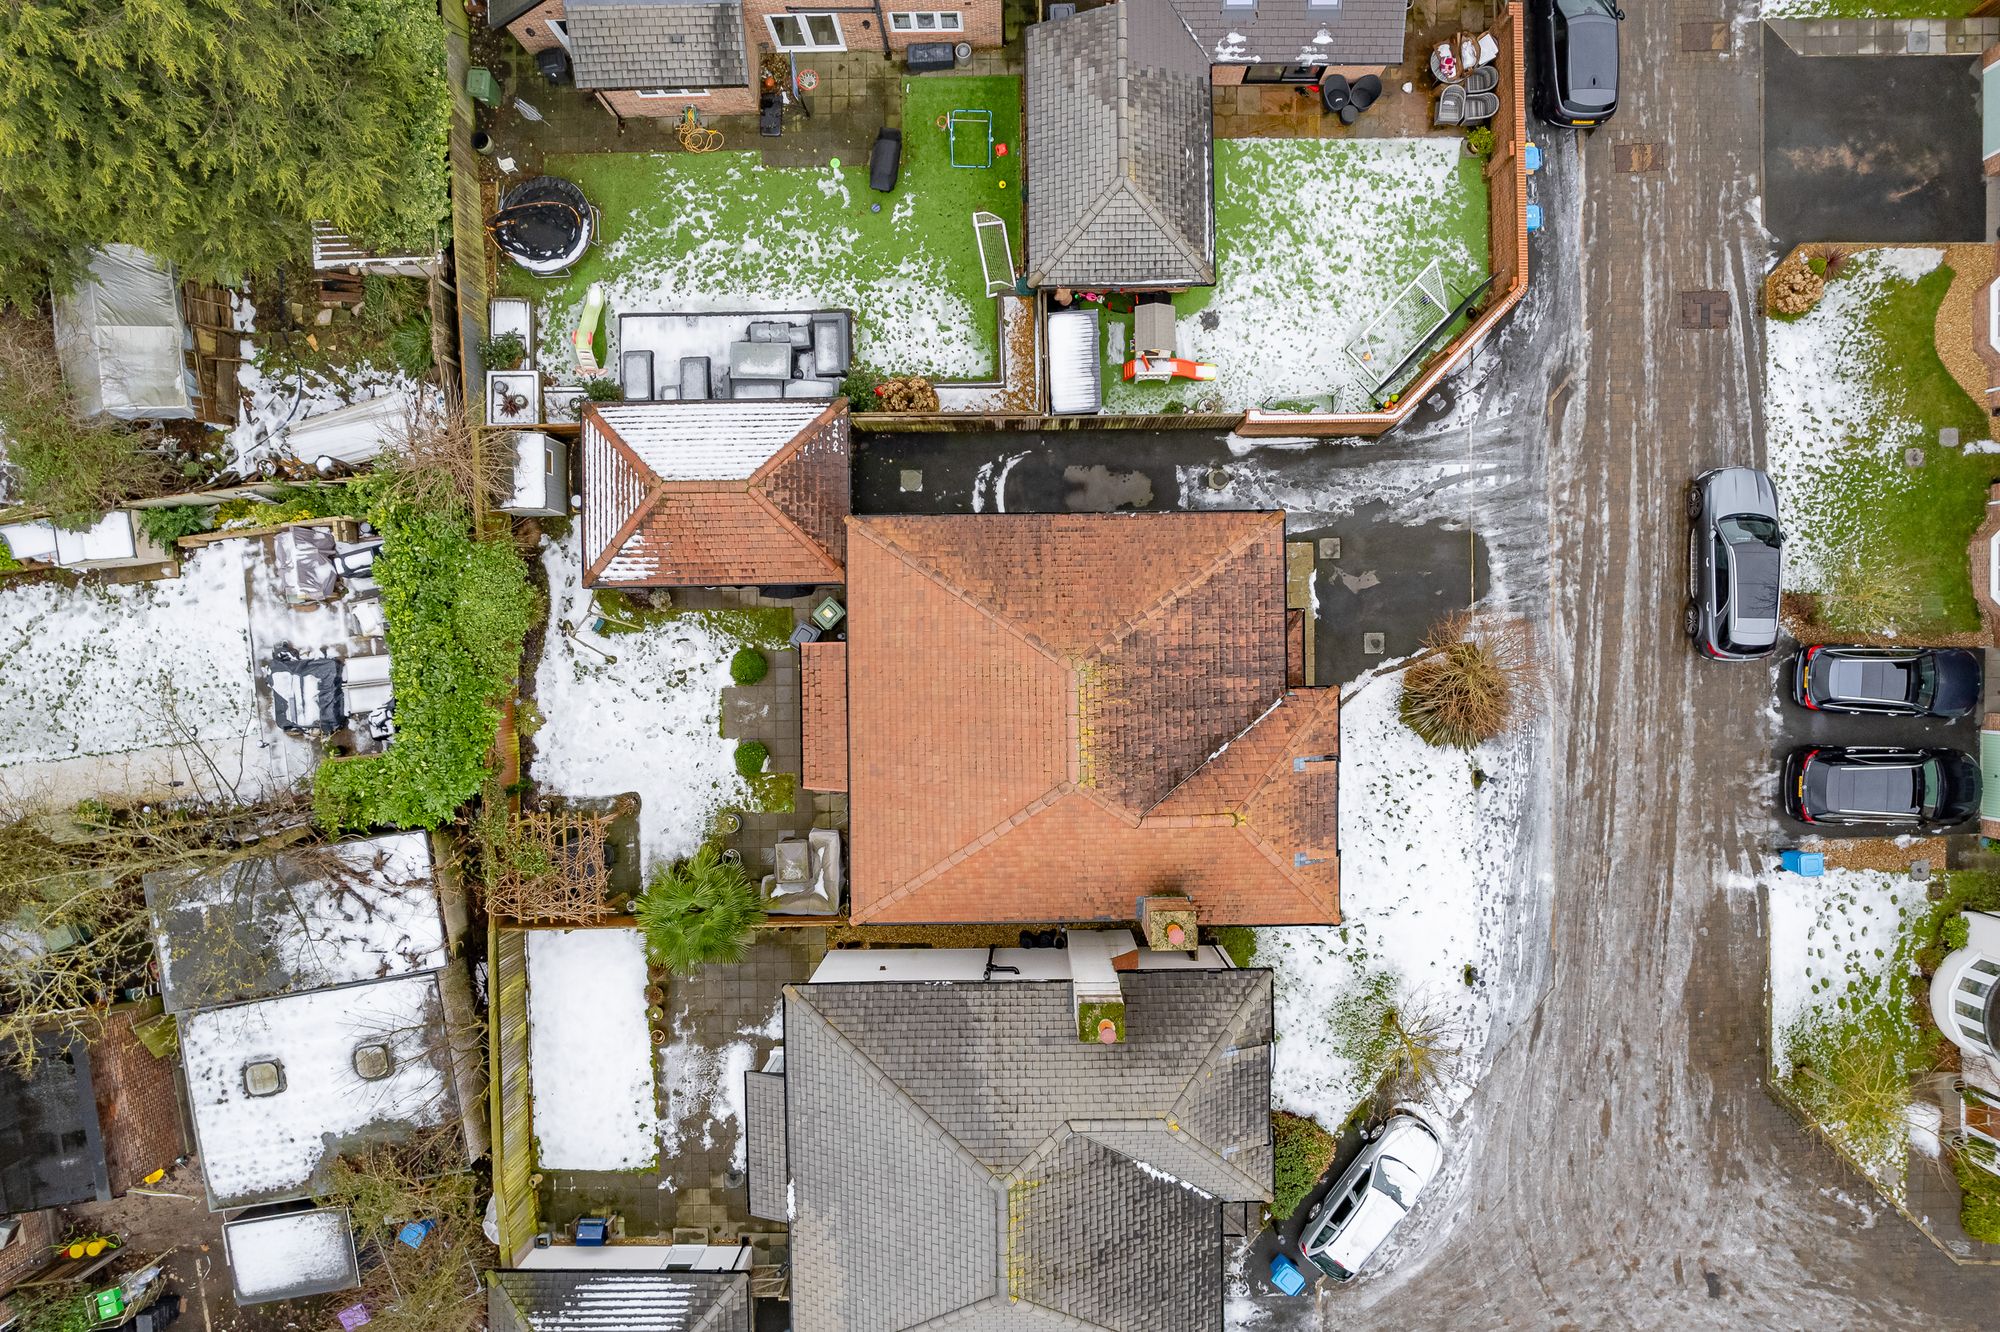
{"x":120,"y":339}
{"x":1074,"y":387}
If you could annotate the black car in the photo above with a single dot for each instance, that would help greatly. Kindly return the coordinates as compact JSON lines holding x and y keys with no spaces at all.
{"x":1576,"y":60}
{"x":1736,"y":564}
{"x":1928,"y":790}
{"x":1891,"y":682}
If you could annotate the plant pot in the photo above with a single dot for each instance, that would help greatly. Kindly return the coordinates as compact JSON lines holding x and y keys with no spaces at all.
{"x":655,"y":996}
{"x":655,"y":1015}
{"x":659,"y":1037}
{"x":482,"y":142}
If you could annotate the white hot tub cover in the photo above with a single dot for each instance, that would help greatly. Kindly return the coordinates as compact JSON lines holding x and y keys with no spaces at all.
{"x":1074,"y":387}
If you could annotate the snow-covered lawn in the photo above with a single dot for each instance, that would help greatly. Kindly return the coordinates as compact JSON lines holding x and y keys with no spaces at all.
{"x":590,"y":1056}
{"x":1314,"y":239}
{"x":650,"y":722}
{"x":1849,"y":387}
{"x":1426,"y":852}
{"x":1840,"y":960}
{"x":110,"y":691}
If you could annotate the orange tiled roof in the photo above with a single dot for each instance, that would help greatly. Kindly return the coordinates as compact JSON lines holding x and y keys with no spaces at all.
{"x":1052,"y":715}
{"x":700,"y":494}
{"x":823,"y":715}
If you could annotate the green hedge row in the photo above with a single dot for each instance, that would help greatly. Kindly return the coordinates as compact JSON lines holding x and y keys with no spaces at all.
{"x":457,"y":612}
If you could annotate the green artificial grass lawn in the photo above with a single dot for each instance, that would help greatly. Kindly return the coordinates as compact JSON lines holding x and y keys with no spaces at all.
{"x":1276,"y":233}
{"x":685,"y":231}
{"x":1915,"y":525}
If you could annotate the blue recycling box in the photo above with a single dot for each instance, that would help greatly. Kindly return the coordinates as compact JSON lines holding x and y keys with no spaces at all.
{"x":1812,"y":864}
{"x":1287,"y":1278}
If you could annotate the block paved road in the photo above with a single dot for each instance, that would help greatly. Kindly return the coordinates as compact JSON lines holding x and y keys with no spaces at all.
{"x":1627,"y":1168}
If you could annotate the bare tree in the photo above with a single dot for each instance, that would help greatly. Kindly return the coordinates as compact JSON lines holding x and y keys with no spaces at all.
{"x":1474,"y":678}
{"x":443,"y":460}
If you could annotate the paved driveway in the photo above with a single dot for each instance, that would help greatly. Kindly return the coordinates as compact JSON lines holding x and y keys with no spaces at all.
{"x":1869,"y":148}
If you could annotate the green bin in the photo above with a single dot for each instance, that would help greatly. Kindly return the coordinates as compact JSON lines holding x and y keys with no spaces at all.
{"x":481,"y":86}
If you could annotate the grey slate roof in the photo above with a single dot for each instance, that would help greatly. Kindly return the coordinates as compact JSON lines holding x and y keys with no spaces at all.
{"x":610,"y":1301}
{"x":633,"y":44}
{"x":1298,"y":32}
{"x":1119,"y":151}
{"x":764,"y":1109}
{"x":958,"y":1154}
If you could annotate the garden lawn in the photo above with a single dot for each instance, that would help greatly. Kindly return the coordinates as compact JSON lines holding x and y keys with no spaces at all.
{"x":1892,"y":9}
{"x":1313,"y":238}
{"x":685,"y":232}
{"x":1842,"y":951}
{"x":1850,"y":385}
{"x":649,"y":721}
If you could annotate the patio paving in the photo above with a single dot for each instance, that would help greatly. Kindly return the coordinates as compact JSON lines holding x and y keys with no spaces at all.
{"x":711,"y":1016}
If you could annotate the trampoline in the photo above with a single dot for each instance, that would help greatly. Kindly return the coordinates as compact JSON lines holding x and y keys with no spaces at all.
{"x":544,"y":225}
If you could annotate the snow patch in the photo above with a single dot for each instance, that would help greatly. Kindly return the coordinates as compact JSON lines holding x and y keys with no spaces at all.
{"x":589,"y":1052}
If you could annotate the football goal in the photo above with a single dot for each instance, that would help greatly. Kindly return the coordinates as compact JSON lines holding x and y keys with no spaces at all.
{"x":996,"y":256}
{"x":1405,"y":324}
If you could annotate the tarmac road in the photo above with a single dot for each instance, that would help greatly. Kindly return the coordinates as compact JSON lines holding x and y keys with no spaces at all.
{"x":1626,"y":1167}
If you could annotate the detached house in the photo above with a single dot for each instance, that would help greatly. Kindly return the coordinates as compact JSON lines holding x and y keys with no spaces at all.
{"x":1120,"y":154}
{"x":660,"y":57}
{"x":709,"y":494}
{"x":1050,"y":717}
{"x":950,"y":1151}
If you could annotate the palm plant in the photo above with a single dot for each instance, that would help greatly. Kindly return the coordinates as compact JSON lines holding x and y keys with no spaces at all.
{"x":699,"y":910}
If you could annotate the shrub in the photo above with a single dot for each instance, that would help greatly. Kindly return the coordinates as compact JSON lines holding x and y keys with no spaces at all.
{"x":1793,"y":288}
{"x":1479,"y":141}
{"x":1303,"y":1150}
{"x":166,"y":526}
{"x":602,"y":388}
{"x":1469,"y":683}
{"x":1817,"y":264}
{"x":1979,"y":1198}
{"x":1957,"y":932}
{"x":1853,"y":1075}
{"x":748,"y":666}
{"x":457,"y":612}
{"x":1239,"y":941}
{"x":750,"y":757}
{"x":504,"y":352}
{"x":859,"y":386}
{"x":699,"y":910}
{"x":75,"y":469}
{"x":410,"y":346}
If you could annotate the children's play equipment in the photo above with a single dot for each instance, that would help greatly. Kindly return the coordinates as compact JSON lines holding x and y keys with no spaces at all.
{"x":1149,"y":367}
{"x":971,"y":134}
{"x":584,"y":337}
{"x":544,"y":225}
{"x":996,"y":256}
{"x":1154,"y":354}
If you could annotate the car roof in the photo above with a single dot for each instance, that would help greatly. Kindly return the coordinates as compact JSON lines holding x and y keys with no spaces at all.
{"x":1873,"y":788}
{"x":1364,"y":1232}
{"x":1870,"y":679}
{"x":1409,"y":1140}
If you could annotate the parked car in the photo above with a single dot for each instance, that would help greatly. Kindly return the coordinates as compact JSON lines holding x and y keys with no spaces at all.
{"x":1928,"y":790}
{"x":1737,"y":564}
{"x":1350,"y":1223}
{"x":1893,"y":682}
{"x":1576,"y":60}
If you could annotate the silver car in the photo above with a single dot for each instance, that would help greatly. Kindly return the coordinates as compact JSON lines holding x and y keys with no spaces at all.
{"x":1354,"y":1218}
{"x":1736,"y":561}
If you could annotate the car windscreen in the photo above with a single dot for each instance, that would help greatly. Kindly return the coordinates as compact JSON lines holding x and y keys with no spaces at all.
{"x":1869,"y":680}
{"x":1738,"y":528}
{"x":1926,"y":674}
{"x":1931,"y":785}
{"x":1870,"y":790}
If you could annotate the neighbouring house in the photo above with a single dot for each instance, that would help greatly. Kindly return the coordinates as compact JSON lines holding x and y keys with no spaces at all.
{"x":1053,"y":716}
{"x":1965,"y":1004}
{"x":1037,"y":1174}
{"x":320,"y":1008}
{"x":555,"y":1300}
{"x":1119,"y":154}
{"x":707,"y":494}
{"x":662,"y":57}
{"x":1120,"y":150}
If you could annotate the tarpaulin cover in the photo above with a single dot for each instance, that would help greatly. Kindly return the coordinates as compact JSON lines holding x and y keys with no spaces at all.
{"x":306,"y":691}
{"x":120,"y":339}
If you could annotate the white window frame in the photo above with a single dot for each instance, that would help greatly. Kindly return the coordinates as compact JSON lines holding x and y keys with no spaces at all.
{"x":671,"y":92}
{"x":944,"y":20}
{"x":559,"y":29}
{"x":802,"y":18}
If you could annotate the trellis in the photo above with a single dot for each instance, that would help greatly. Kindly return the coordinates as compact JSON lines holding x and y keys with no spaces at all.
{"x":554,"y":868}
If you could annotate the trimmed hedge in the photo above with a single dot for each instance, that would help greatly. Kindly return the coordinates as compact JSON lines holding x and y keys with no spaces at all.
{"x":457,"y":612}
{"x":750,"y":757}
{"x":1303,"y":1151}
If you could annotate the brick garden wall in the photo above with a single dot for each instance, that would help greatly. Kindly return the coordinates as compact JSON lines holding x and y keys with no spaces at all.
{"x":30,"y":1251}
{"x":137,"y":1106}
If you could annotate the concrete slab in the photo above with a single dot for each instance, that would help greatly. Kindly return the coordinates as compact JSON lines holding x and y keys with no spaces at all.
{"x":1871,"y":148}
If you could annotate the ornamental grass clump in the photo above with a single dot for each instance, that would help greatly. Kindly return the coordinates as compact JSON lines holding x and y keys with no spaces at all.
{"x":699,"y":910}
{"x":1470,"y":683}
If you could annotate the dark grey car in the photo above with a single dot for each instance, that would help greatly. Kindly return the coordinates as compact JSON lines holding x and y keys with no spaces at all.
{"x":1887,"y":681}
{"x":1737,"y":564}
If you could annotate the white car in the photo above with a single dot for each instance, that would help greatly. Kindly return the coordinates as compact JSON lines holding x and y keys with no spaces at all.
{"x":1354,"y":1218}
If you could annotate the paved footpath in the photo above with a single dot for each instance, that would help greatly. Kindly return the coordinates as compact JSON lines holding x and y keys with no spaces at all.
{"x":1629,"y":1170}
